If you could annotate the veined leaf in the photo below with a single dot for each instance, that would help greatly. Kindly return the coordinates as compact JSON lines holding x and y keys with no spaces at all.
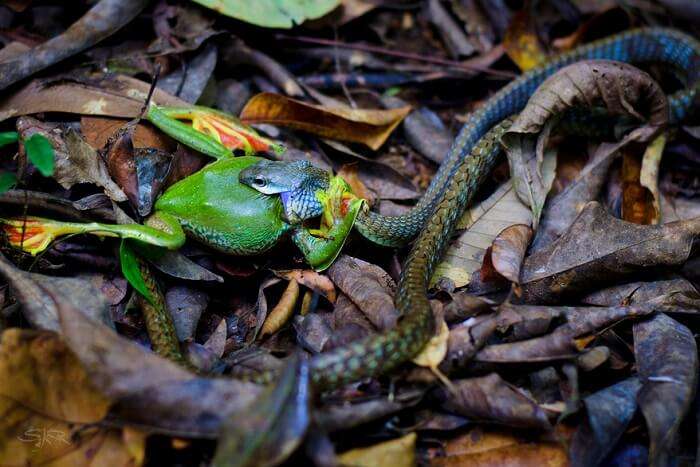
{"x":132,"y":270}
{"x":272,"y":13}
{"x":483,"y":223}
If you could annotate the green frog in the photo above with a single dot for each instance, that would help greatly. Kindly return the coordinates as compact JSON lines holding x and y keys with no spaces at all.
{"x":213,"y":207}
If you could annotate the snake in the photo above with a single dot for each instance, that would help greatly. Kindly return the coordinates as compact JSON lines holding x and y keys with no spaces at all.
{"x":472,"y":156}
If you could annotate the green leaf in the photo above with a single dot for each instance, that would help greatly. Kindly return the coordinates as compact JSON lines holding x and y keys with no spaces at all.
{"x":40,"y":153}
{"x":131,"y":268}
{"x":8,"y":137}
{"x":272,"y":13}
{"x":7,"y":181}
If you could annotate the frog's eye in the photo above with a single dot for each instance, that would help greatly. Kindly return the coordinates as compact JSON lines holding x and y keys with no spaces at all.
{"x":259,"y":182}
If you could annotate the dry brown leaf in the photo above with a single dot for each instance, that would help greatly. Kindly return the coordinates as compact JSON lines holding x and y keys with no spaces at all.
{"x":482,"y":222}
{"x":97,"y":130}
{"x":370,"y":127}
{"x":111,"y":96}
{"x":490,"y":448}
{"x":641,"y":200}
{"x":509,"y":249}
{"x":400,"y":452}
{"x":44,"y":393}
{"x":521,"y":42}
{"x":621,"y":88}
{"x":283,"y":311}
{"x":369,"y":287}
{"x":311,"y":279}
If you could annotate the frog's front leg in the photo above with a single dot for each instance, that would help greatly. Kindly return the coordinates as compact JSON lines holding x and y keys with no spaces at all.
{"x":320,"y":252}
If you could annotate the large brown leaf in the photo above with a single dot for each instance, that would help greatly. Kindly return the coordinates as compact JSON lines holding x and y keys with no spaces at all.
{"x":599,"y":249}
{"x":369,"y":127}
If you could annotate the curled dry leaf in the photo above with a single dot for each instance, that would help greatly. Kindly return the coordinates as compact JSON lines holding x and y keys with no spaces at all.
{"x":482,"y":222}
{"x":562,"y":343}
{"x":641,"y":200}
{"x":562,"y":209}
{"x":667,"y":358}
{"x":186,"y":306}
{"x":282,"y":312}
{"x":369,"y":287}
{"x":40,"y":310}
{"x":368,"y":127}
{"x":508,"y":250}
{"x":217,"y":341}
{"x":311,"y":279}
{"x":491,"y":398}
{"x":400,"y":452}
{"x":599,"y":249}
{"x":620,"y":88}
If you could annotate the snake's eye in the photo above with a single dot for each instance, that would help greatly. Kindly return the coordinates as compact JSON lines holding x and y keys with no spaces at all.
{"x":259,"y":181}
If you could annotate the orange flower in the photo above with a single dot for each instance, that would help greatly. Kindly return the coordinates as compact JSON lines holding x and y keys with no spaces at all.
{"x":33,"y":234}
{"x":224,"y":128}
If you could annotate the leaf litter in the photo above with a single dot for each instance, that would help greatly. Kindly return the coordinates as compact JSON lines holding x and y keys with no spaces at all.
{"x":566,"y":304}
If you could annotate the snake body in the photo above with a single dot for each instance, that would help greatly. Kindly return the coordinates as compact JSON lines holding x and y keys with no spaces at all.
{"x":471,"y":158}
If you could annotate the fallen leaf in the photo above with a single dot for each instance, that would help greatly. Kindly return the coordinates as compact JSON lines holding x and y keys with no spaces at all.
{"x":493,"y":399}
{"x":561,"y":210}
{"x":75,"y":161}
{"x":311,"y":279}
{"x":667,"y":357}
{"x":40,"y":310}
{"x":82,"y":164}
{"x":369,"y":287}
{"x":562,"y":342}
{"x":42,"y":374}
{"x":282,"y":312}
{"x":399,"y":452}
{"x":271,"y":13}
{"x":482,"y":447}
{"x":48,"y":402}
{"x":599,"y":249}
{"x":369,"y":127}
{"x":268,"y":431}
{"x":483,"y":223}
{"x":98,"y":130}
{"x":649,"y":174}
{"x":186,"y":306}
{"x":521,"y":42}
{"x":509,"y":249}
{"x":108,"y":95}
{"x":608,"y":412}
{"x":217,"y":341}
{"x":616,"y":86}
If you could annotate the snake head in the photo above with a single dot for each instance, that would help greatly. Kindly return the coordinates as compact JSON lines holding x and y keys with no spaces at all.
{"x":274,"y":177}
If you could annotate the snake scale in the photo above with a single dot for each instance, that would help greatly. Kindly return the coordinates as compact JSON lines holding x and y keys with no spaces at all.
{"x":472,"y":156}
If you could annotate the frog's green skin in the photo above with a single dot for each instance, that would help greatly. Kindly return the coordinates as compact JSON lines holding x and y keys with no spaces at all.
{"x":213,"y":208}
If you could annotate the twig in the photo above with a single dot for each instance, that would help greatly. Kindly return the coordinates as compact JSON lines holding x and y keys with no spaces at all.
{"x":465,"y":66}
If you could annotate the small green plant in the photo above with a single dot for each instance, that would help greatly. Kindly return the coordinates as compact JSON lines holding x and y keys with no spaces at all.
{"x":39,"y":152}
